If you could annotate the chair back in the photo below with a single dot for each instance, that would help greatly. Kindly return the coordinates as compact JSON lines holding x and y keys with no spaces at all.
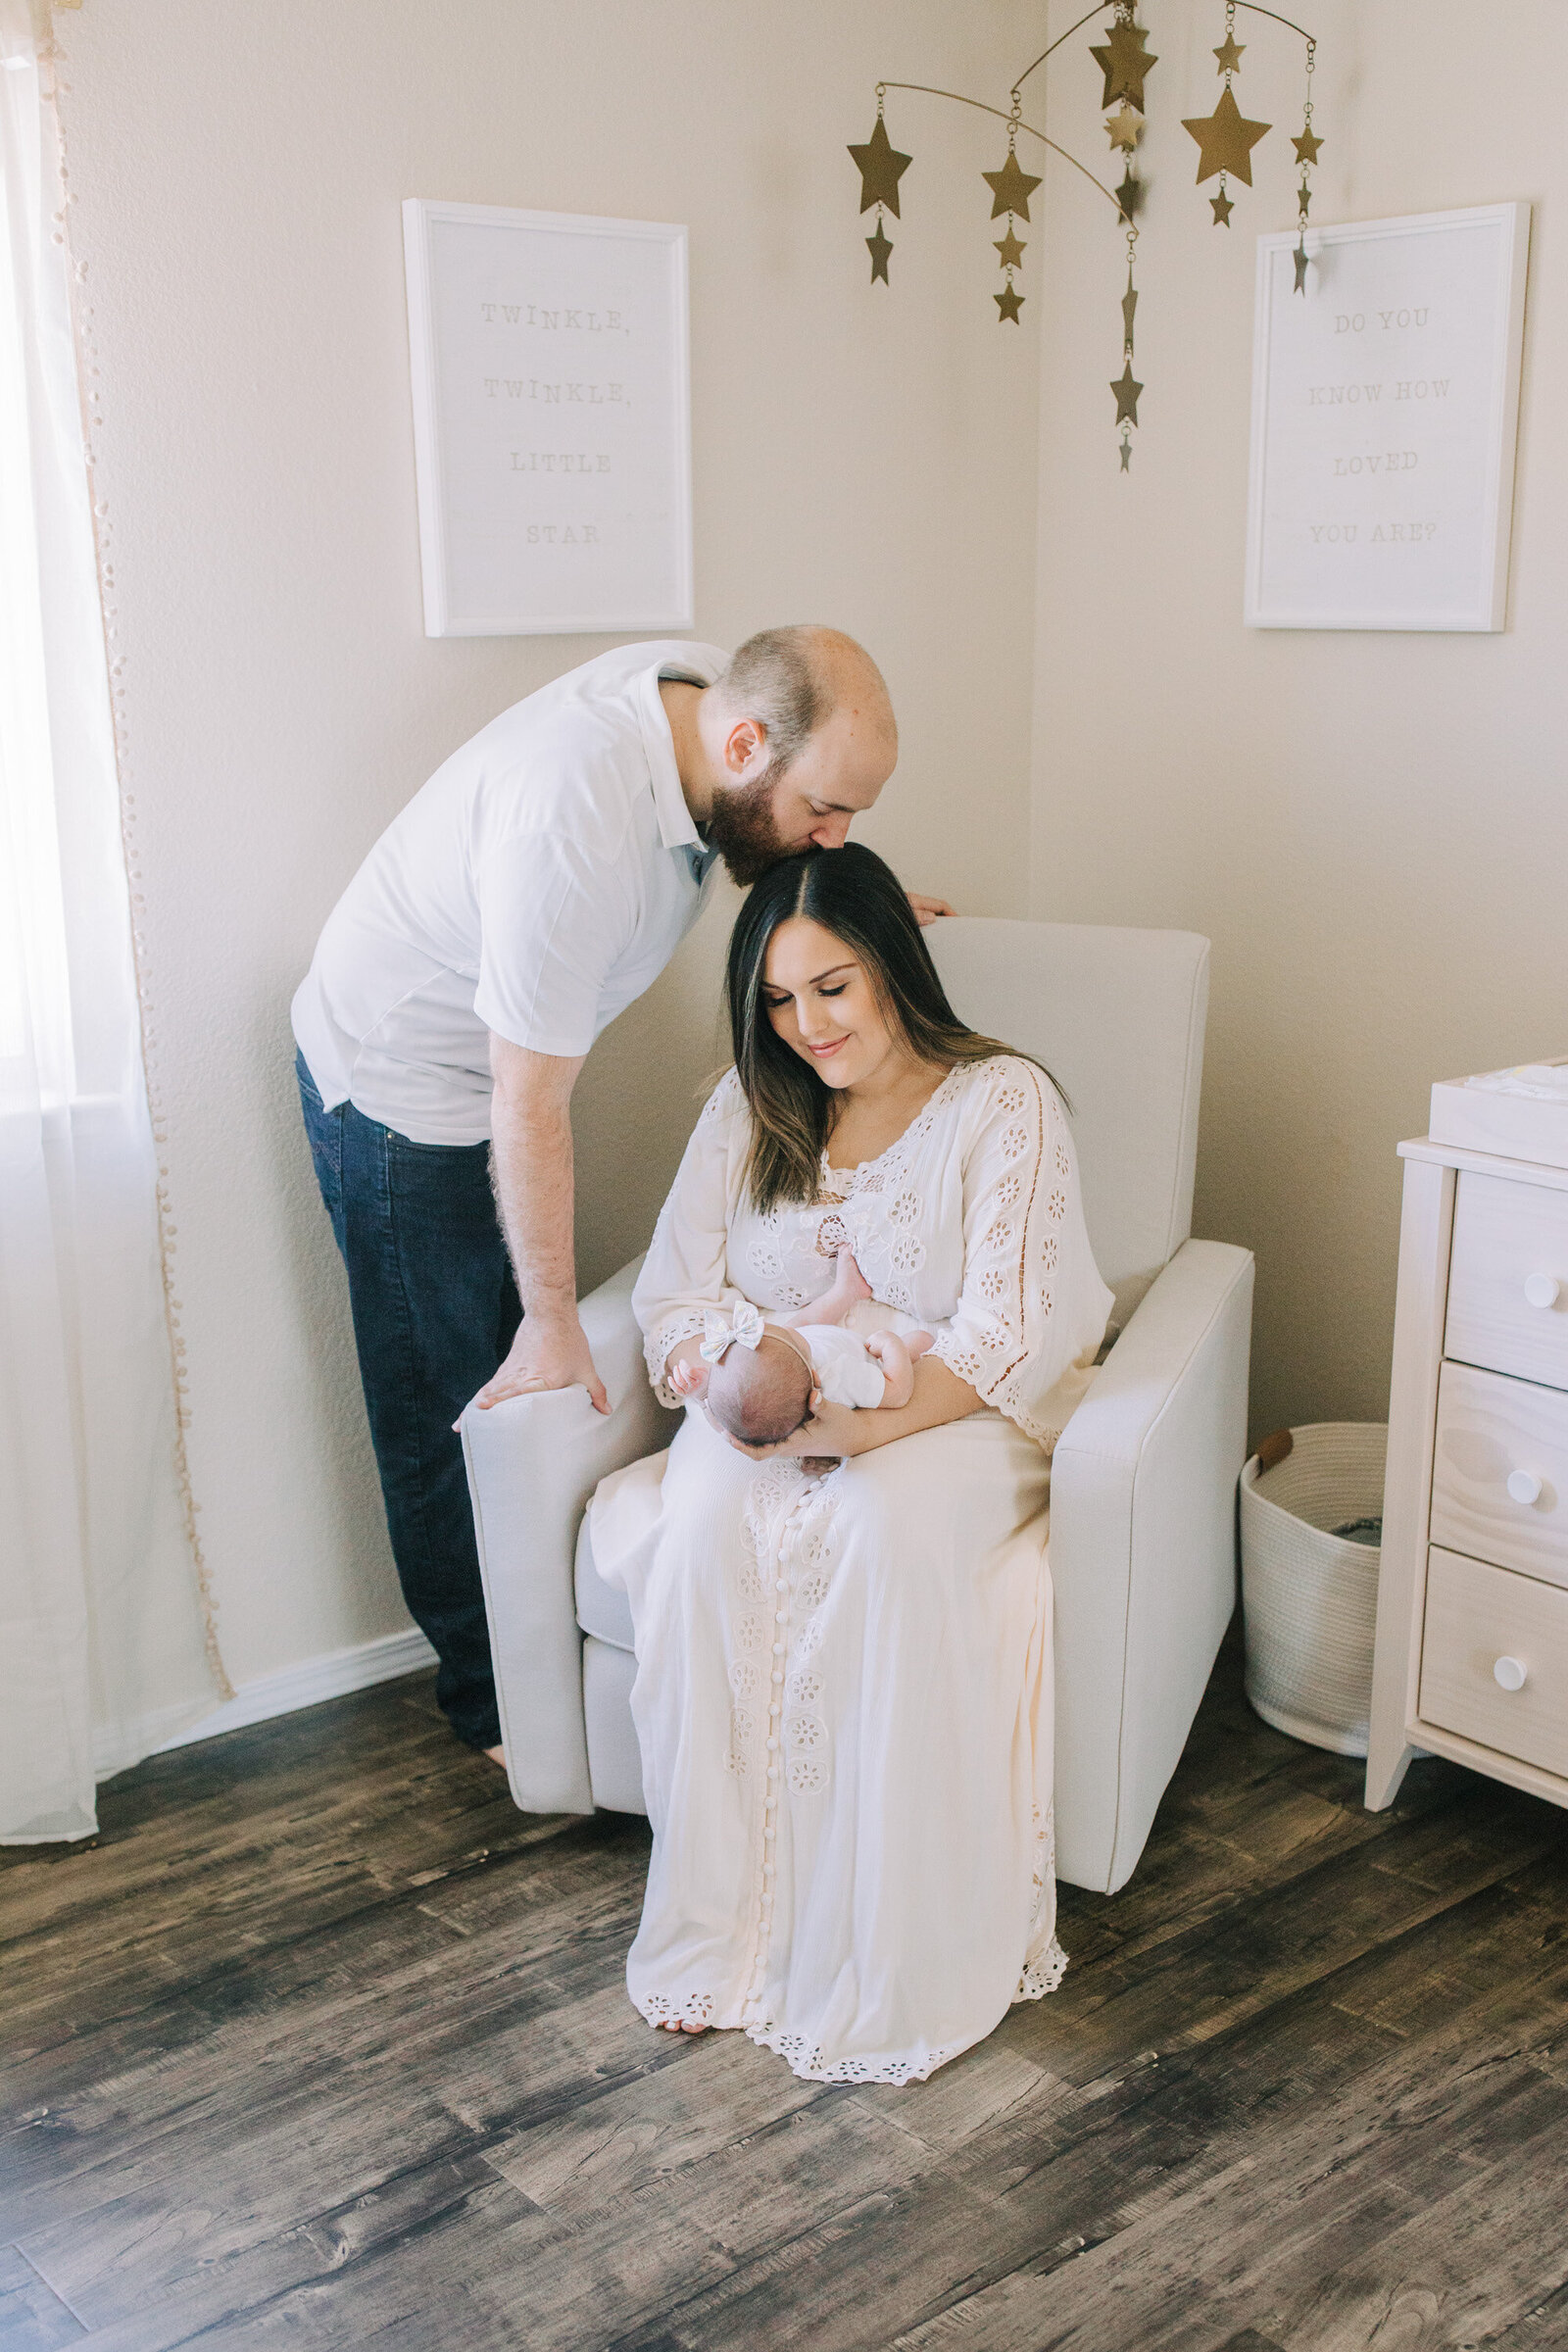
{"x":1117,"y":1017}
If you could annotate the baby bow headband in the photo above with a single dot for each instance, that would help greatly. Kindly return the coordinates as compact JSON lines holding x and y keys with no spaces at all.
{"x":720,"y":1336}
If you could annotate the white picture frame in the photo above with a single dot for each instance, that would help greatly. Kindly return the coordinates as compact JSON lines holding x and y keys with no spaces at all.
{"x":550,"y":362}
{"x":1385,"y":411}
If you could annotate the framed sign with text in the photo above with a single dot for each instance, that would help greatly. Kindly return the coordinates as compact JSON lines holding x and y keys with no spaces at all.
{"x":551,"y":421}
{"x":1384,"y":404}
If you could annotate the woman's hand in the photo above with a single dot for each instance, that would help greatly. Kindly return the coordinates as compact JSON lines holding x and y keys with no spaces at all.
{"x":940,"y":1395}
{"x":833,"y":1431}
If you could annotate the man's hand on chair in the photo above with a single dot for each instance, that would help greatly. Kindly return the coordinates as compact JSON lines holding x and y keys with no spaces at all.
{"x":550,"y":1352}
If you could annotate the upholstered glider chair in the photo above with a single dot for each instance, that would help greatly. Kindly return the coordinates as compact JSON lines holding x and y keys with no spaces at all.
{"x":1143,"y":1487}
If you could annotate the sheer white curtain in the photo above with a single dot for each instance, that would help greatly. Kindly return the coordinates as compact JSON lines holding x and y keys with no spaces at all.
{"x":102,"y":1646}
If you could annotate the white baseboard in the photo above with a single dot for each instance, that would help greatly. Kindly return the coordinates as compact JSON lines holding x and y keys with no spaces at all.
{"x":304,"y":1685}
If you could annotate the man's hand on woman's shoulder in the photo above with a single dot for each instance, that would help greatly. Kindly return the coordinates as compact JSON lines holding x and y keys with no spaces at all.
{"x":929,"y":910}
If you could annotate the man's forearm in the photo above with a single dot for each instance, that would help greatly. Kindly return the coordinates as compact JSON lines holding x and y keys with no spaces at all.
{"x":531,"y":1171}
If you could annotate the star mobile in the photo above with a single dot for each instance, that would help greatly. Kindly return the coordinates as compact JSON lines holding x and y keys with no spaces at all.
{"x":1226,"y":139}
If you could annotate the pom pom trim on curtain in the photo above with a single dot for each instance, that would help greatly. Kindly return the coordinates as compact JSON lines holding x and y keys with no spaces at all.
{"x":107,"y":1641}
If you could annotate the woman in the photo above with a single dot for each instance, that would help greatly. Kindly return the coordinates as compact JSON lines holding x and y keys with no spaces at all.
{"x":844,"y":1673}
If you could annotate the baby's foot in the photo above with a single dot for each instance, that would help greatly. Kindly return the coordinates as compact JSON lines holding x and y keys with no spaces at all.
{"x":849,"y":1278}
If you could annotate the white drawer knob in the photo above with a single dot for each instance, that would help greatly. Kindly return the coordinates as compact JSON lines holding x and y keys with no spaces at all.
{"x":1524,"y":1486}
{"x":1541,"y":1290}
{"x":1510,"y":1673}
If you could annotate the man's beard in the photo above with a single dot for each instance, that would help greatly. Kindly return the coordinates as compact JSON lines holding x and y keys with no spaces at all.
{"x":739,"y":827}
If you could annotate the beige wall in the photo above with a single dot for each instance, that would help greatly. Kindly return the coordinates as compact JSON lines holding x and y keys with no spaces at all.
{"x":1373,"y":829}
{"x":1370,"y":828}
{"x":858,"y":456}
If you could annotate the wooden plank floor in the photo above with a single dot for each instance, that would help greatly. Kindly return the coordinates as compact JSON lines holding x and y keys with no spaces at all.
{"x":324,"y":2045}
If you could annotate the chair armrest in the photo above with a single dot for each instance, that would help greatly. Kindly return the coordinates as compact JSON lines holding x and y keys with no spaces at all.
{"x":533,"y":1461}
{"x":1143,"y":1552}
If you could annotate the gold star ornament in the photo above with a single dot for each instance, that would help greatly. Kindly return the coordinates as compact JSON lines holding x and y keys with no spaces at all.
{"x":1123,"y":59}
{"x":1299,"y":257}
{"x":1126,"y":388}
{"x":1011,"y":250}
{"x":1126,"y":452}
{"x":1130,"y":194}
{"x":1129,"y":311}
{"x":1010,"y":188}
{"x":1222,"y":208}
{"x":881,"y":167}
{"x":1009,"y":302}
{"x":1225,"y":139}
{"x":1307,"y":147}
{"x":879,"y":247}
{"x":1229,"y":54}
{"x":1125,"y":128}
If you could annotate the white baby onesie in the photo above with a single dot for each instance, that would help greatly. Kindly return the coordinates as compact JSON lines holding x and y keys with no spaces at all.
{"x":846,"y":1373}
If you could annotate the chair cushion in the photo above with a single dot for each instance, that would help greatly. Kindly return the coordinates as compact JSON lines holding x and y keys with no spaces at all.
{"x":615,"y":1760}
{"x":602,"y":1610}
{"x":1117,"y":1017}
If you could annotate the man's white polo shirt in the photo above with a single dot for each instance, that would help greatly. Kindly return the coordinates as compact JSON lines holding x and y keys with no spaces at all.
{"x":540,"y":881}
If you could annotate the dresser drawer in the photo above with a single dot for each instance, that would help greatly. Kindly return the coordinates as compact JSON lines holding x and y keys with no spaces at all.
{"x":1475,"y":1617}
{"x":1508,"y":1279}
{"x":1490,"y":1430}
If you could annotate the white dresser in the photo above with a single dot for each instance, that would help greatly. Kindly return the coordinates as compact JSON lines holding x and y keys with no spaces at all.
{"x":1472,"y":1629}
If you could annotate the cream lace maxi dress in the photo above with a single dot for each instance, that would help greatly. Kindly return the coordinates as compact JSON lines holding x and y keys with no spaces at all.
{"x":844,"y":1683}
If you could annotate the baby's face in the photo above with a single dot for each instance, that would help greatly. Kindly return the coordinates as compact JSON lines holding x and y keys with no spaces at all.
{"x":761,"y":1394}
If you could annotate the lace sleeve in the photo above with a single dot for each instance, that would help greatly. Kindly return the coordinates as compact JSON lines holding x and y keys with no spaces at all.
{"x":1032,"y":1310}
{"x":683,"y":1273}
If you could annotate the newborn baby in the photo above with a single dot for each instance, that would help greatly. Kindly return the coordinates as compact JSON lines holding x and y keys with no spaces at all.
{"x":768,"y":1378}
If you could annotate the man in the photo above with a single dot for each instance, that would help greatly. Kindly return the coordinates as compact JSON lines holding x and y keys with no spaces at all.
{"x":538,"y":883}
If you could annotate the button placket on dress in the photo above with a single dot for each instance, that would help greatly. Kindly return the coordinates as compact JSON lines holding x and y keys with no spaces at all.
{"x":776,"y":1578}
{"x":789,"y":1526}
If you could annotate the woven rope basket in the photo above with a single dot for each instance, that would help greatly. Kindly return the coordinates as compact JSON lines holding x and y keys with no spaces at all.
{"x":1309,"y":1597}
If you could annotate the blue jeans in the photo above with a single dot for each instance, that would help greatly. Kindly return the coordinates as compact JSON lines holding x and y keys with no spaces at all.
{"x":435,"y":1309}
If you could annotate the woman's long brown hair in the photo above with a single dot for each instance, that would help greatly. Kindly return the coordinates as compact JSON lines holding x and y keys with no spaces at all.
{"x":861,"y":901}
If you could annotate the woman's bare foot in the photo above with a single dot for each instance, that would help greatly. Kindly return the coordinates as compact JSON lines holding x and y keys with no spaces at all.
{"x":497,"y":1755}
{"x":673,"y":2024}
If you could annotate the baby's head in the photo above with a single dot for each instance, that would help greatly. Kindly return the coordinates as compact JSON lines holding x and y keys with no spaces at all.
{"x":761,"y":1394}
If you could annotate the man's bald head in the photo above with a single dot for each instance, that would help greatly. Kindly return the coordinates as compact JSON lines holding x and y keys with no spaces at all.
{"x":787,"y":747}
{"x":793,"y":680}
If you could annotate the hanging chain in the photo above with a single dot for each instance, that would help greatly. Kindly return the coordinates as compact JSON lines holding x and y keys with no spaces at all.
{"x":1307,"y":150}
{"x":1010,"y":248}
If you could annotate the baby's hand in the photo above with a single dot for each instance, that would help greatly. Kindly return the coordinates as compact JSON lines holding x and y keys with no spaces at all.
{"x":689,"y":1380}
